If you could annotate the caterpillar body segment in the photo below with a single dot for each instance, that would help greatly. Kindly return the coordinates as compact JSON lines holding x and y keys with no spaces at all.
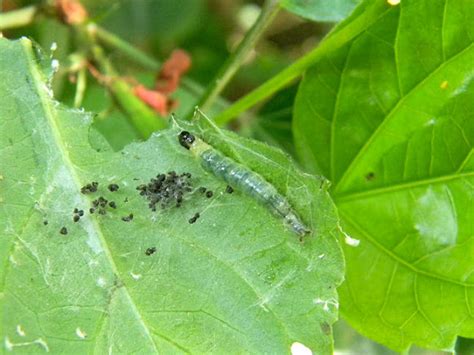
{"x":244,"y":179}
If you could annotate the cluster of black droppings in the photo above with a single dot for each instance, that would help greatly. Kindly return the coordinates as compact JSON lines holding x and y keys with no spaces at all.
{"x":113,"y":187}
{"x":204,"y":190}
{"x":150,"y":251}
{"x":229,"y":189}
{"x":194,"y":218}
{"x":166,"y":189}
{"x":99,"y":205}
{"x":63,"y":231}
{"x":77,"y":215}
{"x":128,"y":218}
{"x":89,"y":188}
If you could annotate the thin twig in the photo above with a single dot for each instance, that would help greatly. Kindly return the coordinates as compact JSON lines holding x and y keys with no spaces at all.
{"x":235,"y":61}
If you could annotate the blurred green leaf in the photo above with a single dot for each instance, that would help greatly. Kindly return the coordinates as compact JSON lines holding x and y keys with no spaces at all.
{"x":164,"y":20}
{"x":235,"y":281}
{"x":389,"y":119}
{"x":321,"y":10}
{"x":273,"y":123}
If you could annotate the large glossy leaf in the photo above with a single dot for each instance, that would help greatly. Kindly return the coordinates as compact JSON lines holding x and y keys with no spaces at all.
{"x":321,"y":10}
{"x":389,"y":119}
{"x":235,"y":281}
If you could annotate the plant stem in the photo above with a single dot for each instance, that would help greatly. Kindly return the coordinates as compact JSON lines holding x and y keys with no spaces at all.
{"x":17,"y":18}
{"x":233,"y":63}
{"x":114,"y":41}
{"x":148,"y":62}
{"x":142,"y":118}
{"x":80,"y":87}
{"x":336,"y":39}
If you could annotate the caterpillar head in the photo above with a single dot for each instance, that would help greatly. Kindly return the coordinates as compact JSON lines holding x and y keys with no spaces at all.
{"x":186,"y":139}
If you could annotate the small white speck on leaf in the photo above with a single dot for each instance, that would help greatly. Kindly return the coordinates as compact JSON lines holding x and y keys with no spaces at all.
{"x":349,"y":240}
{"x":80,"y":333}
{"x":54,"y":46}
{"x":393,"y":2}
{"x":101,"y":282}
{"x":55,"y":65}
{"x":136,"y":276}
{"x":8,"y":344}
{"x":326,"y":303}
{"x":300,"y":349}
{"x":12,"y":260}
{"x":352,"y":242}
{"x":20,"y":330}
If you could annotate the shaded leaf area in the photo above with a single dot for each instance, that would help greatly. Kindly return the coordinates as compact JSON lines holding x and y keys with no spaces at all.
{"x":235,"y":280}
{"x":321,"y":10}
{"x":389,"y":119}
{"x":273,"y":123}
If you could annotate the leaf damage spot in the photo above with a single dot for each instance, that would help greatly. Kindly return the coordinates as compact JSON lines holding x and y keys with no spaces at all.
{"x":393,"y":2}
{"x":444,"y":85}
{"x":435,"y":217}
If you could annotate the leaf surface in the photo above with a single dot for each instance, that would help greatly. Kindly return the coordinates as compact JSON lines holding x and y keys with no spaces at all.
{"x":389,"y":119}
{"x":236,"y":280}
{"x":321,"y":10}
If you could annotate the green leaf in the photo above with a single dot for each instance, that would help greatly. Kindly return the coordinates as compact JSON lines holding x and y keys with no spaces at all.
{"x":321,"y":10}
{"x":235,"y":281}
{"x":389,"y":119}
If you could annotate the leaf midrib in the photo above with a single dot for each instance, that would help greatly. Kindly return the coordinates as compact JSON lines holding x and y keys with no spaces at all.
{"x":45,"y":103}
{"x":341,"y":198}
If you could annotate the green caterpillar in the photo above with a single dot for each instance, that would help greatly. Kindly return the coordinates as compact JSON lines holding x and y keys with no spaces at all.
{"x":243,"y":179}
